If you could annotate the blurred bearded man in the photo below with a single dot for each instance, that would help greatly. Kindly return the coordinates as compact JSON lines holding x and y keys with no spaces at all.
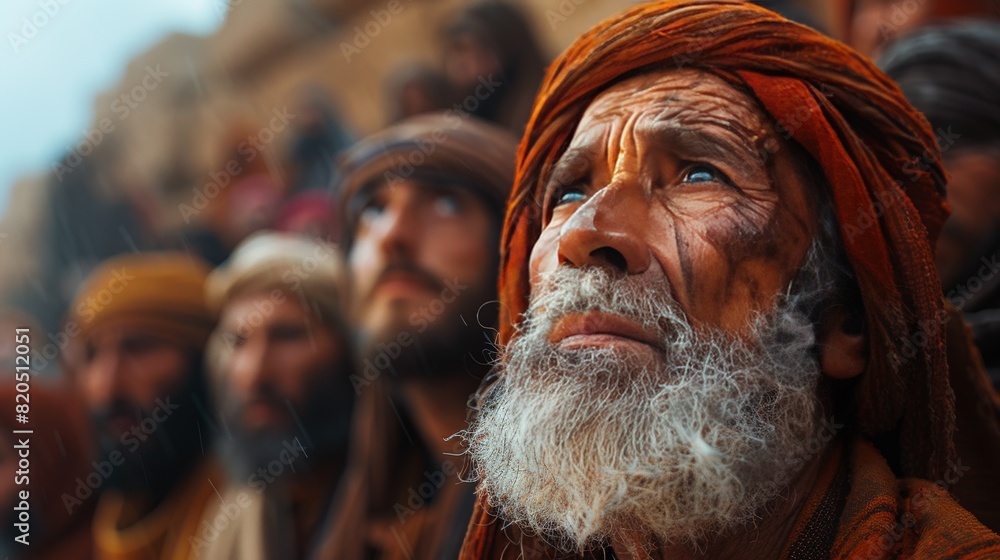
{"x":423,"y":203}
{"x":280,"y":363}
{"x":705,"y":355}
{"x":142,"y":326}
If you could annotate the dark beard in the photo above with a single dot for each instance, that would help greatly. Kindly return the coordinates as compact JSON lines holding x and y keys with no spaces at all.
{"x":453,"y":342}
{"x":242,"y":455}
{"x":320,"y":432}
{"x":168,"y":453}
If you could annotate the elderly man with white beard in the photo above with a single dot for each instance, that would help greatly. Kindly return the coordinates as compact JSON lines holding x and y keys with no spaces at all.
{"x":687,"y":301}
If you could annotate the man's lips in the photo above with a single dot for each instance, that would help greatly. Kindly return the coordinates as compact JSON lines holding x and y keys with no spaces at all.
{"x":600,"y":329}
{"x":263,"y":412}
{"x":401,"y":283}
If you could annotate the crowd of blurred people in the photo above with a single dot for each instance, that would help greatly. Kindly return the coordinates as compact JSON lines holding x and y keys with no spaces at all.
{"x":284,"y":380}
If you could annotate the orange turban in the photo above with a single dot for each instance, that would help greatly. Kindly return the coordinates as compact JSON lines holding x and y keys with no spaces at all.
{"x":879,"y":157}
{"x":165,"y":291}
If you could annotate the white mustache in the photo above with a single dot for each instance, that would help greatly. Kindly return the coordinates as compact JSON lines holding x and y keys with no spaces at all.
{"x":578,"y":444}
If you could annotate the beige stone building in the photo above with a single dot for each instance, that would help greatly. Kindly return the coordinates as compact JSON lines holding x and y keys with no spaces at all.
{"x":182,"y":107}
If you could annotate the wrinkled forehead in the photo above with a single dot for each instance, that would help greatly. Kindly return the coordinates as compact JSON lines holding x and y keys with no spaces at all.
{"x":682,"y":99}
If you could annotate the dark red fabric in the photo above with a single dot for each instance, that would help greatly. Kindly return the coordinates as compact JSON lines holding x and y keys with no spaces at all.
{"x":59,"y":454}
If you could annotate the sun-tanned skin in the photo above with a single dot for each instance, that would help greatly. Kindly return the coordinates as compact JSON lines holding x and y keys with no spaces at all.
{"x":130,"y":363}
{"x":974,"y":195}
{"x":677,"y":177}
{"x":443,"y":233}
{"x":282,"y":360}
{"x":678,"y":174}
{"x":126,"y":369}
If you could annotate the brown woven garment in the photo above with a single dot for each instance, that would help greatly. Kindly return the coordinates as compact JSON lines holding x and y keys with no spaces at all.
{"x":858,"y":509}
{"x":882,"y":169}
{"x":372,"y":515}
{"x":977,"y":427}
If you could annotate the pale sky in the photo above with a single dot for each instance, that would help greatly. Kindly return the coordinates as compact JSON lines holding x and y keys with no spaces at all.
{"x":52,"y":77}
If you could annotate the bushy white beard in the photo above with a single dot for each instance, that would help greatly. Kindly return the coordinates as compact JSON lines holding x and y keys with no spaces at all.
{"x":580,"y":444}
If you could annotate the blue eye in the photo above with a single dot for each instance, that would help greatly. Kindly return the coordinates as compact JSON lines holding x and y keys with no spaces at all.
{"x":703,"y":174}
{"x":447,"y":205}
{"x":570,"y":196}
{"x":371,"y":211}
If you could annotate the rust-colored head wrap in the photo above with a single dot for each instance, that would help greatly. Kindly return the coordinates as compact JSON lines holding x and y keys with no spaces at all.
{"x":879,"y":157}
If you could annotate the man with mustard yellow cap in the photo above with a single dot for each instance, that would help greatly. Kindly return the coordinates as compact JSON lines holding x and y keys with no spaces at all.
{"x":142,"y":326}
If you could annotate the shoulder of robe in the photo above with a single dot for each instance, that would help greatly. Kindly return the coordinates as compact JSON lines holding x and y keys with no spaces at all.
{"x":940,"y":528}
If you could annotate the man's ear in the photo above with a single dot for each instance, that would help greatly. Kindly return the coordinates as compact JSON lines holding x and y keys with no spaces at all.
{"x":842,"y":344}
